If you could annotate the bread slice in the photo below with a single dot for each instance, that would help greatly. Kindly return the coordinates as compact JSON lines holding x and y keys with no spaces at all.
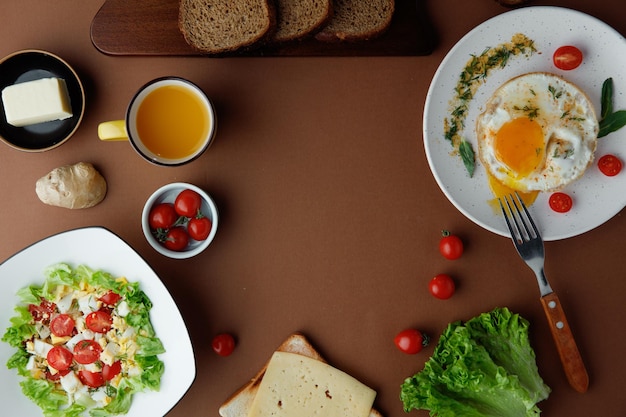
{"x":355,"y":20}
{"x":298,"y":19}
{"x":218,"y":26}
{"x":240,"y":402}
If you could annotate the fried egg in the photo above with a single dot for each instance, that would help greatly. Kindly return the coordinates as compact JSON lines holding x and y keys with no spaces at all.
{"x":538,"y":132}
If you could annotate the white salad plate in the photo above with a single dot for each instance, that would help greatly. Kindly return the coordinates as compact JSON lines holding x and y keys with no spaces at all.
{"x":99,"y":249}
{"x":597,"y":198}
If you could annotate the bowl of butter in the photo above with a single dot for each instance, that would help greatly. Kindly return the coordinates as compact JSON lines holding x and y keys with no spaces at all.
{"x":43,"y":100}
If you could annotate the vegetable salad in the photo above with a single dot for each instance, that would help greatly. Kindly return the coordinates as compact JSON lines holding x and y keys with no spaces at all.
{"x":84,"y":343}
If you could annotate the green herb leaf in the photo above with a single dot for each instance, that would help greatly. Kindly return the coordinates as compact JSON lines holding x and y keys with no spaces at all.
{"x":467,"y":155}
{"x":607,"y":98}
{"x":612,"y":122}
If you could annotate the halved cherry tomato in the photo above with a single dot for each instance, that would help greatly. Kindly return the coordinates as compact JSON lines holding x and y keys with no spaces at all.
{"x":99,"y":321}
{"x":111,"y":371}
{"x":91,"y":379}
{"x":62,"y":325}
{"x":199,"y":228}
{"x":43,"y":311}
{"x":411,"y":341}
{"x":223,"y":344}
{"x":567,"y":57}
{"x":162,"y":216}
{"x":87,"y":351}
{"x":188,"y":203}
{"x":560,"y":202}
{"x":450,"y":246}
{"x":59,"y":358}
{"x":176,"y":239}
{"x":610,"y":165}
{"x":441,"y":286}
{"x":110,"y":298}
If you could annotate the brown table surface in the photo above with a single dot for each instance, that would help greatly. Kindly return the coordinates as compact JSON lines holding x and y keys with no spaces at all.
{"x":330,"y":216}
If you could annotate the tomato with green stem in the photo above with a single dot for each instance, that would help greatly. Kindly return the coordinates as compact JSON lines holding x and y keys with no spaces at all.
{"x":162,"y":216}
{"x":199,"y":227}
{"x":411,"y":341}
{"x":450,"y":246}
{"x":176,"y":239}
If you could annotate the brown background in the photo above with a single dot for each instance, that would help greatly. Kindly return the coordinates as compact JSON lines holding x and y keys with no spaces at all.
{"x":330,"y":215}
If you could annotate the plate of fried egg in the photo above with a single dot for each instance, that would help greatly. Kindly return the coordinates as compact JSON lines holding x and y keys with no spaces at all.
{"x":501,"y":117}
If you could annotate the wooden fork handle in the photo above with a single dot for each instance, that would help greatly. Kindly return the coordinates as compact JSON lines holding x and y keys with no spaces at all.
{"x":565,"y":343}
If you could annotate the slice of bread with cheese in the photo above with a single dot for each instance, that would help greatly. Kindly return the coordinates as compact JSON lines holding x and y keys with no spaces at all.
{"x":357,"y":20}
{"x":220,"y":26}
{"x":273,"y":390}
{"x":299,"y":19}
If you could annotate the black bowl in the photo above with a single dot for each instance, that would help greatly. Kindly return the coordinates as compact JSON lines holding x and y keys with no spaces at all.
{"x":29,"y":65}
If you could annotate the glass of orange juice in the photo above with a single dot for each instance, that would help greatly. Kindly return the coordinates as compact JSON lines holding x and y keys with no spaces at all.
{"x":170,"y":121}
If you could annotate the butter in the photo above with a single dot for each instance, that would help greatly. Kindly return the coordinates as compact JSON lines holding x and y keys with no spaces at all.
{"x":298,"y":386}
{"x":36,"y":101}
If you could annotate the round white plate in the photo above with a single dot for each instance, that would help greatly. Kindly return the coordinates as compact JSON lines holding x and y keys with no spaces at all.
{"x":99,"y":249}
{"x":597,"y":198}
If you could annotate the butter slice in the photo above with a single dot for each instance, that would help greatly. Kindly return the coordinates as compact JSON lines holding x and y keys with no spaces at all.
{"x":36,"y":101}
{"x":298,"y":386}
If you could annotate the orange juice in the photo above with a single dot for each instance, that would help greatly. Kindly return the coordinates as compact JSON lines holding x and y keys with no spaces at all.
{"x":173,"y":122}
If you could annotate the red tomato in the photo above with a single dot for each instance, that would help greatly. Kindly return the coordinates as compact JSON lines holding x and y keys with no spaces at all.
{"x":162,"y":216}
{"x":567,"y":57}
{"x":188,"y":203}
{"x":87,"y":351}
{"x":62,"y":325}
{"x":99,"y":321}
{"x":199,"y":228}
{"x":111,"y":298}
{"x":111,"y":371}
{"x":411,"y":341}
{"x":223,"y":344}
{"x":176,"y":239}
{"x":450,"y":246}
{"x":91,"y":379}
{"x":59,"y":358}
{"x":560,"y":202}
{"x":441,"y":286}
{"x":610,"y":165}
{"x":43,"y":311}
{"x":57,"y":376}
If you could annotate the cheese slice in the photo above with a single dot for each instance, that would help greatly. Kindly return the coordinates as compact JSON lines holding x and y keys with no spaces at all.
{"x":298,"y":386}
{"x":36,"y":101}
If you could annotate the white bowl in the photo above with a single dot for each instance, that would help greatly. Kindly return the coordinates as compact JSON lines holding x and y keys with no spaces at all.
{"x":167,"y":194}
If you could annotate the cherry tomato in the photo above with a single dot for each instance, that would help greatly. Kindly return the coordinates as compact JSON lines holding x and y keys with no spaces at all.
{"x":162,"y":216}
{"x":111,"y":371}
{"x":199,"y":228}
{"x":62,"y":325}
{"x":441,"y":286}
{"x":59,"y":358}
{"x":188,"y":203}
{"x":560,"y":202}
{"x":411,"y":341}
{"x":176,"y":239}
{"x":567,"y":57}
{"x":110,"y":298}
{"x":99,"y":321}
{"x":450,"y":246}
{"x":223,"y":344}
{"x":610,"y":165}
{"x":43,"y":311}
{"x":91,"y":379}
{"x":87,"y":351}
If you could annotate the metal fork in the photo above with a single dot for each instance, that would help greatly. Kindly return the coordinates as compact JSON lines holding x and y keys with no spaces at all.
{"x":529,"y":245}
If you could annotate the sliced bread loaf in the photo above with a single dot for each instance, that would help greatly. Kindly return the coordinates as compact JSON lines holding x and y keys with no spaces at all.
{"x":217,"y":26}
{"x":355,"y":20}
{"x":297,"y":19}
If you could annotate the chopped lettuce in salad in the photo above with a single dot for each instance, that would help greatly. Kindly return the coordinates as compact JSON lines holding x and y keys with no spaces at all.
{"x":85,"y":343}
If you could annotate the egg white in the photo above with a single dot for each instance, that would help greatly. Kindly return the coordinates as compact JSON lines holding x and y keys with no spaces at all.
{"x":568,"y":122}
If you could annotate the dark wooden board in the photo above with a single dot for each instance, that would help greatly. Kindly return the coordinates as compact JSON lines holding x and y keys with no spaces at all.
{"x":150,"y":27}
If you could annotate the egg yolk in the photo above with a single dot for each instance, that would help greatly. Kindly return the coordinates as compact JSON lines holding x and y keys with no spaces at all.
{"x":519,"y":144}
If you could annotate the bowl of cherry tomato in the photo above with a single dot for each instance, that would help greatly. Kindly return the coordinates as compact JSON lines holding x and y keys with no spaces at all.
{"x":179,"y":220}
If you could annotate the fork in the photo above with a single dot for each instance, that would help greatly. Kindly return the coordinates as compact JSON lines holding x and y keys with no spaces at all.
{"x":529,"y":245}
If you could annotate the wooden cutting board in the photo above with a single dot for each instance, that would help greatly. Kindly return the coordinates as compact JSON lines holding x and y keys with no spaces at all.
{"x":150,"y":27}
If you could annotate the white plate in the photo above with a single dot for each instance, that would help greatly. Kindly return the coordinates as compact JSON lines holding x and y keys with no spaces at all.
{"x":597,"y":198}
{"x":99,"y":249}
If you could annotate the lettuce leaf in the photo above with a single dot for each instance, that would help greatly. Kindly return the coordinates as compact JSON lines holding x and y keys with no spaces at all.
{"x":483,"y":368}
